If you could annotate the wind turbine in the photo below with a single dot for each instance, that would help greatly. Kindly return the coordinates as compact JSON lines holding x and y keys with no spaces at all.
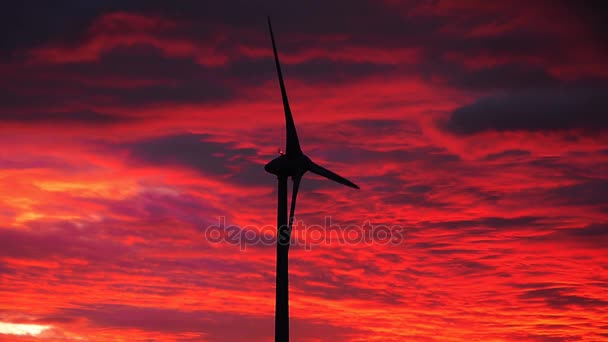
{"x":293,"y":163}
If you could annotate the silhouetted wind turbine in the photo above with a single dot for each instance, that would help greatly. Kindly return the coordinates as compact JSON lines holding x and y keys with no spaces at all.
{"x":293,"y":163}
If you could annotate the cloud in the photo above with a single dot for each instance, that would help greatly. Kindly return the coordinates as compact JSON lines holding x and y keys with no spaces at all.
{"x":80,"y":117}
{"x":594,"y":234}
{"x":507,"y":155}
{"x":59,"y":241}
{"x":492,"y":223}
{"x":500,"y":77}
{"x":316,"y":70}
{"x":142,"y":75}
{"x":210,"y":325}
{"x":138,"y":61}
{"x":28,"y":23}
{"x":534,"y":110}
{"x":561,"y":298}
{"x":586,"y":192}
{"x":196,"y":152}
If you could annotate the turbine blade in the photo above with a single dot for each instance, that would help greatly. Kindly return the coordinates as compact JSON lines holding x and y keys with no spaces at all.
{"x":321,"y":171}
{"x":294,"y":195}
{"x":293,"y":144}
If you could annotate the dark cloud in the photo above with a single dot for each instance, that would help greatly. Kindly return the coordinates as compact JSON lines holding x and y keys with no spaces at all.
{"x":490,"y":222}
{"x":5,"y":269}
{"x":337,"y":285}
{"x":500,"y":77}
{"x":509,"y":72}
{"x":561,"y":298}
{"x":157,"y":206}
{"x":594,"y":234}
{"x":412,"y":196}
{"x":190,"y":91}
{"x":328,"y":71}
{"x":594,"y":13}
{"x":196,"y":152}
{"x":156,"y":319}
{"x":82,"y":117}
{"x":299,"y":27}
{"x":466,"y":267}
{"x":213,"y":326}
{"x":61,"y":240}
{"x":507,"y":155}
{"x":317,"y":70}
{"x":534,"y":110}
{"x":594,"y":231}
{"x":516,"y":42}
{"x":587,"y":192}
{"x":383,"y":126}
{"x":143,"y":75}
{"x":33,"y":22}
{"x":136,"y":62}
{"x":431,"y":155}
{"x":156,"y":78}
{"x":360,"y":22}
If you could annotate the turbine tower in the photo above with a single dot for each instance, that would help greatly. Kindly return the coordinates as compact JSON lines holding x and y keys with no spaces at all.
{"x":293,"y":163}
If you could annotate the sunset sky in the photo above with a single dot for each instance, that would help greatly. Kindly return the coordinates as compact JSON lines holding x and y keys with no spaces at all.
{"x":480,"y":128}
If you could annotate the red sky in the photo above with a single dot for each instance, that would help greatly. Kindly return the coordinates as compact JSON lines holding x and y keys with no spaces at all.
{"x":477,"y":127}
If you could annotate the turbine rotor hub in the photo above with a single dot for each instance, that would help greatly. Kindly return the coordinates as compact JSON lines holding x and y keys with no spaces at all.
{"x":286,"y":165}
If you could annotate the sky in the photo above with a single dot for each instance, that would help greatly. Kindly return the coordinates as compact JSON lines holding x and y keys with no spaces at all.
{"x":132,"y":130}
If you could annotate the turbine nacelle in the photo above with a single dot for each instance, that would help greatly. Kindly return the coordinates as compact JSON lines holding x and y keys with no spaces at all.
{"x":288,"y":166}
